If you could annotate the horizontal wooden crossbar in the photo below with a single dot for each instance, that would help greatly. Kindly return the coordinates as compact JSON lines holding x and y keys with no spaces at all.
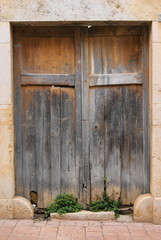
{"x":115,"y":79}
{"x":48,"y":79}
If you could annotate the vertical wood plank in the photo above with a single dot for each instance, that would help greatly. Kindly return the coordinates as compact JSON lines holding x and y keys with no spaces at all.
{"x":46,"y":163}
{"x":55,"y":140}
{"x":39,"y":119}
{"x":136,"y":170}
{"x":125,"y":151}
{"x":146,"y":130}
{"x":97,"y":135}
{"x":113,"y":127}
{"x":17,"y":120}
{"x":68,"y":161}
{"x":85,"y":119}
{"x":78,"y":92}
{"x":28,"y":138}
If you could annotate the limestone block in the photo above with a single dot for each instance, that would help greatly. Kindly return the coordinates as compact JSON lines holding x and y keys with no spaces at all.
{"x":156,"y":73}
{"x":6,"y":209}
{"x":22,"y":208}
{"x":156,"y":32}
{"x":143,"y":208}
{"x":5,"y":74}
{"x":156,"y":114}
{"x":4,"y":32}
{"x":157,"y":210}
{"x":85,"y":215}
{"x":155,"y":170}
{"x":7,"y":182}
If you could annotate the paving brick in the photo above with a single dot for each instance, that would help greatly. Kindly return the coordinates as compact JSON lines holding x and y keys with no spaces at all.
{"x":16,"y":237}
{"x":25,"y":223}
{"x":10,"y":223}
{"x":94,"y":236}
{"x":54,"y":223}
{"x":4,"y":236}
{"x":40,"y":223}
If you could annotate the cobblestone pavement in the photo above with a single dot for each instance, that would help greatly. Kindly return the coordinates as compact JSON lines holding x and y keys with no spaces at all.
{"x":77,"y":230}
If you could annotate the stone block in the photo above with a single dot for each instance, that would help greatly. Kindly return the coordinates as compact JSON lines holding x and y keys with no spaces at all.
{"x":22,"y":208}
{"x":5,"y":74}
{"x":143,"y":208}
{"x":156,"y":162}
{"x":156,"y":73}
{"x":7,"y":181}
{"x":5,"y":32}
{"x":6,"y":209}
{"x":85,"y":216}
{"x":157,"y":210}
{"x":156,"y":32}
{"x":156,"y":114}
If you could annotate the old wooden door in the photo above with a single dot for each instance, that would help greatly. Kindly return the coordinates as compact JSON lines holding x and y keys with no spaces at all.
{"x":47,"y":112}
{"x":117,"y":112}
{"x":81,"y":112}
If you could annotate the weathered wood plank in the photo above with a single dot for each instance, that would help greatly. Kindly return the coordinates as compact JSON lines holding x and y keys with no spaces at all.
{"x":78,"y":92}
{"x":97,"y":143}
{"x":113,"y":126}
{"x":115,"y":55}
{"x":135,"y":143}
{"x":44,"y":55}
{"x":18,"y":160}
{"x":146,"y":135}
{"x":114,"y":31}
{"x":39,"y":131}
{"x":116,"y":79}
{"x":85,"y":119}
{"x":125,"y":148}
{"x":48,"y":79}
{"x":55,"y":140}
{"x":28,"y":138}
{"x":68,"y":128}
{"x":46,"y":163}
{"x":46,"y":31}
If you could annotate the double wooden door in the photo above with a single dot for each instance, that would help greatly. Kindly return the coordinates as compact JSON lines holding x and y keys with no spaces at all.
{"x":81,"y":109}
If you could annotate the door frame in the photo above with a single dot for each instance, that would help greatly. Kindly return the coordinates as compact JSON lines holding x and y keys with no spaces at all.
{"x":82,"y":116}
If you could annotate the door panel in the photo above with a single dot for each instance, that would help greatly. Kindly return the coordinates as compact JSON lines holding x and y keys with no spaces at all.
{"x":116,"y":102}
{"x":48,"y":143}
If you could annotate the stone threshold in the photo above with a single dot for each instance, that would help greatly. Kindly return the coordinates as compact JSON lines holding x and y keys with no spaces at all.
{"x":85,"y":215}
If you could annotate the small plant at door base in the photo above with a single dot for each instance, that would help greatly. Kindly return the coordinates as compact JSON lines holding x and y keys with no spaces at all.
{"x":64,"y":203}
{"x":105,"y":204}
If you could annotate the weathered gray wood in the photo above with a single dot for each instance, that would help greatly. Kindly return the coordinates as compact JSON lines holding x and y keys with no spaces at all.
{"x":55,"y":140}
{"x":113,"y":126}
{"x":125,"y":151}
{"x":116,"y":79}
{"x":146,"y":137}
{"x":28,"y":138}
{"x":85,"y":119}
{"x":39,"y":131}
{"x":18,"y":160}
{"x":68,"y":161}
{"x":46,"y":163}
{"x":78,"y":92}
{"x":136,"y":143}
{"x":49,"y":79}
{"x":97,"y":143}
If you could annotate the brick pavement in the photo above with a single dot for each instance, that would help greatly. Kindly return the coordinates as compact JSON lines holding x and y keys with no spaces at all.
{"x":77,"y":230}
